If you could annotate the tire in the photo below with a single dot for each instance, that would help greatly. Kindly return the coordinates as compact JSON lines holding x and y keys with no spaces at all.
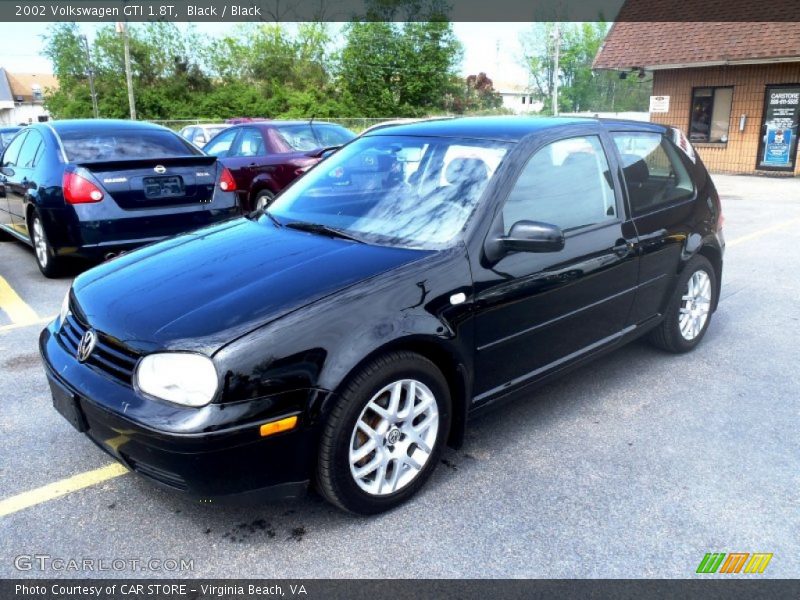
{"x":681,"y":331}
{"x":263,"y":199}
{"x":405,"y":447}
{"x":49,"y":264}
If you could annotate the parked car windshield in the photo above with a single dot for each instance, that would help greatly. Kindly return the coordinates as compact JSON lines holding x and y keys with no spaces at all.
{"x":98,"y":146}
{"x":304,"y":136}
{"x":415,"y":192}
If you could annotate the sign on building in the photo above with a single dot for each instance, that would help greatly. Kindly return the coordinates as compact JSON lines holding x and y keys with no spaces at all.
{"x":659,"y":104}
{"x":778,"y":147}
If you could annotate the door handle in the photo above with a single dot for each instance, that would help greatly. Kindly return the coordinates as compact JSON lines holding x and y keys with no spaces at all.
{"x":622,"y":249}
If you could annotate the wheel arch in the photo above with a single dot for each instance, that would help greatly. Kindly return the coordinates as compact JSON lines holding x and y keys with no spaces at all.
{"x":454,"y":371}
{"x":714,"y":256}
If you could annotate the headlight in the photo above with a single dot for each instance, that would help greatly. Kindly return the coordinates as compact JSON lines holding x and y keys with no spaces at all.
{"x":179,"y":377}
{"x":62,"y":315}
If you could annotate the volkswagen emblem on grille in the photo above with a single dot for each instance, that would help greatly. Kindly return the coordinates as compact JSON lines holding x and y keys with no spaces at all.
{"x":160,"y":169}
{"x":86,"y":345}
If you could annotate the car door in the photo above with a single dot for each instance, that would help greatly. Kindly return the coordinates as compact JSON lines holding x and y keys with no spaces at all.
{"x":246,"y":158}
{"x":23,"y":182}
{"x":661,"y":195}
{"x":536,"y":311}
{"x":9,"y":179}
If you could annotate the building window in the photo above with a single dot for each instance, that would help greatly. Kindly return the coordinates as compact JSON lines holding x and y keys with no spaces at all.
{"x":711,"y":114}
{"x":36,"y":92}
{"x":523,"y":99}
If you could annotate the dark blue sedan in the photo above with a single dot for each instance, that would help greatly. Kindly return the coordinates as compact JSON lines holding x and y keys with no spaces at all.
{"x":95,"y":188}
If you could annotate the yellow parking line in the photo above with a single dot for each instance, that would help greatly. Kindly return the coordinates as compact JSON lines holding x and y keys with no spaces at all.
{"x":60,"y":488}
{"x":13,"y":306}
{"x":761,"y":232}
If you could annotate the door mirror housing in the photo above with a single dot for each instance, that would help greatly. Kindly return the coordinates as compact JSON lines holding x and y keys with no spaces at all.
{"x":526,"y":236}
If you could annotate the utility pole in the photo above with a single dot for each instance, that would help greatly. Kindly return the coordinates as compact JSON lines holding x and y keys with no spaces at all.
{"x":556,"y":51}
{"x":90,"y":73}
{"x":123,"y":30}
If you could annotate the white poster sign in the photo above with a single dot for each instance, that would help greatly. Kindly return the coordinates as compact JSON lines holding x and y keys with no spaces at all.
{"x":659,"y":104}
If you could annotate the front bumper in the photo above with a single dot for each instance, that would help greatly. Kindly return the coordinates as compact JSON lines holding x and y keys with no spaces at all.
{"x":214,"y":453}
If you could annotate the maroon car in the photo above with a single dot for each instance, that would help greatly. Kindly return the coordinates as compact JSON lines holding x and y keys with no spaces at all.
{"x":266,"y":156}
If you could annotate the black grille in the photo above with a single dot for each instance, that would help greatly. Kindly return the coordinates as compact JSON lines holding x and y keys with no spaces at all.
{"x":173,"y":480}
{"x":108,"y":356}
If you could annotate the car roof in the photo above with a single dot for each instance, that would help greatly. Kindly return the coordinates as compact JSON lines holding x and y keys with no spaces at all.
{"x":110,"y":125}
{"x":511,"y":129}
{"x":272,"y":124}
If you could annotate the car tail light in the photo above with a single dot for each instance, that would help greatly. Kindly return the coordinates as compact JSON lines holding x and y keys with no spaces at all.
{"x":226,"y":181}
{"x":79,"y":190}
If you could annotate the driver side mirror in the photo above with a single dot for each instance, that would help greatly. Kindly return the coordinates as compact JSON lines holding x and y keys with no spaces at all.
{"x":526,"y":236}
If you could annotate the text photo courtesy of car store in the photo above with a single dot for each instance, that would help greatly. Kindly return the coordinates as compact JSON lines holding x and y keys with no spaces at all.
{"x":733,"y":87}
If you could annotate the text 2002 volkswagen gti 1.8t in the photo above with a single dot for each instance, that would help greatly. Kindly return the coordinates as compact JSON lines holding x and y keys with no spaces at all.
{"x":421,"y":273}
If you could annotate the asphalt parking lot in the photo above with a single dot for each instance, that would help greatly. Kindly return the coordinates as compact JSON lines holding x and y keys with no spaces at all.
{"x":635,"y":466}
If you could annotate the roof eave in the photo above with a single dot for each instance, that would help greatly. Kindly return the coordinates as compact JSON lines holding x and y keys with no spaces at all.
{"x":701,"y":64}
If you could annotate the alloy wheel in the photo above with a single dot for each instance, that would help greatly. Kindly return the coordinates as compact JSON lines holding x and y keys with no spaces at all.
{"x":695,"y":305}
{"x":40,"y":242}
{"x":394,"y":437}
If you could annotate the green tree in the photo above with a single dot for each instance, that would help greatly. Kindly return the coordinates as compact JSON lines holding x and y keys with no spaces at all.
{"x":387,"y":69}
{"x":580,"y":87}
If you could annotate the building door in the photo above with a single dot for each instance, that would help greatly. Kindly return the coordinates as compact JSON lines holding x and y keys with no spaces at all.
{"x":777,"y":149}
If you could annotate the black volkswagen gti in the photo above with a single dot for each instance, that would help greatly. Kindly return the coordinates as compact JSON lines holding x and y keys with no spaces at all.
{"x":94,"y":188}
{"x":422,"y":273}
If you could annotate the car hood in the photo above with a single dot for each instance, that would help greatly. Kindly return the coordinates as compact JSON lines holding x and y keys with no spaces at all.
{"x":201,"y":290}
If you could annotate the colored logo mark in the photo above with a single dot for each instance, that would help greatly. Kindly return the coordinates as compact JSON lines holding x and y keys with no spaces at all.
{"x":734,"y":562}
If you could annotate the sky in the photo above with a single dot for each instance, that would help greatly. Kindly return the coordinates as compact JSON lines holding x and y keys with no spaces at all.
{"x":493,"y":48}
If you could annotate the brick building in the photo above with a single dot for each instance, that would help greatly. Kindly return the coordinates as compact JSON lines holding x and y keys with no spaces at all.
{"x":732,"y":87}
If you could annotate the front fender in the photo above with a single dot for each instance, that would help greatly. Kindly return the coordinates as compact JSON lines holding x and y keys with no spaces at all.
{"x":320,"y":345}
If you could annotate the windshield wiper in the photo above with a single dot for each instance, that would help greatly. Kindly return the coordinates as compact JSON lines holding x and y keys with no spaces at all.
{"x":323,"y":229}
{"x":273,"y":218}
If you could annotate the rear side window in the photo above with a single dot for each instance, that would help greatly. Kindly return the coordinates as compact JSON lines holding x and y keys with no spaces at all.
{"x":29,"y":151}
{"x":654,"y":173}
{"x":251,"y":143}
{"x":566,"y":183}
{"x":99,"y":146}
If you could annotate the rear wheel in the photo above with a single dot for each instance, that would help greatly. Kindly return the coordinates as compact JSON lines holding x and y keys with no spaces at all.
{"x":689,"y":311}
{"x":263,"y":199}
{"x":49,"y":264}
{"x":385,"y":436}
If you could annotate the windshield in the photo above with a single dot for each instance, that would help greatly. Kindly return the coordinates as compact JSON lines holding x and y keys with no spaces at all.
{"x":107,"y":145}
{"x":409,"y":191}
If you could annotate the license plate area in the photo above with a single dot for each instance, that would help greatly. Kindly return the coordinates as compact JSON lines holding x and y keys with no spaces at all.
{"x":169,"y":186}
{"x":66,"y":403}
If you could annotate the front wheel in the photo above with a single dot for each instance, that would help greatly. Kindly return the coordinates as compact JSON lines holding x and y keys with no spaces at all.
{"x":689,"y":311}
{"x":385,"y":435}
{"x":49,"y":264}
